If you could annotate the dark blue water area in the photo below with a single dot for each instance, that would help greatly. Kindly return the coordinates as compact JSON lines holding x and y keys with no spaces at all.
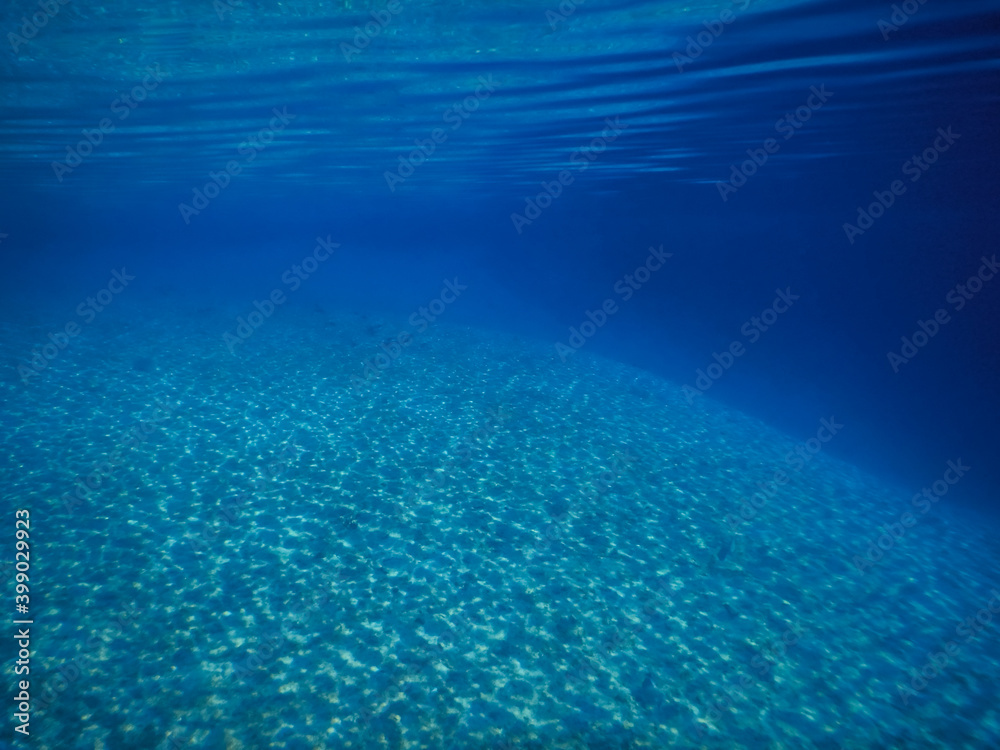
{"x":828,"y":357}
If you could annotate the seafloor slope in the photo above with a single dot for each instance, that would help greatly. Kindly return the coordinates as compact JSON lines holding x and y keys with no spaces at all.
{"x":481,"y":547}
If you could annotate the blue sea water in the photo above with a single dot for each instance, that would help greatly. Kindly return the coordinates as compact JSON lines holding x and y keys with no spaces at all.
{"x":410,"y":374}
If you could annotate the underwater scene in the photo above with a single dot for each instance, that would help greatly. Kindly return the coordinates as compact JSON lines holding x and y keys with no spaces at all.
{"x":514,"y":375}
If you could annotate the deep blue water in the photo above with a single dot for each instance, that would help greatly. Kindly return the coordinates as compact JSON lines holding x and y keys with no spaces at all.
{"x":787,"y":209}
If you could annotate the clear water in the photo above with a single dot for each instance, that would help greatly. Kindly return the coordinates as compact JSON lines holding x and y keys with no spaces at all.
{"x":508,"y":375}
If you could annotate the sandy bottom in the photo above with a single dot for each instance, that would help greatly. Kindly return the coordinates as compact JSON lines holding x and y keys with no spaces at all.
{"x":479,"y":547}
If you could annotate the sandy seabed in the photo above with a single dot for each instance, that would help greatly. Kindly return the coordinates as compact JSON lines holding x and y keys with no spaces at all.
{"x":481,"y":547}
